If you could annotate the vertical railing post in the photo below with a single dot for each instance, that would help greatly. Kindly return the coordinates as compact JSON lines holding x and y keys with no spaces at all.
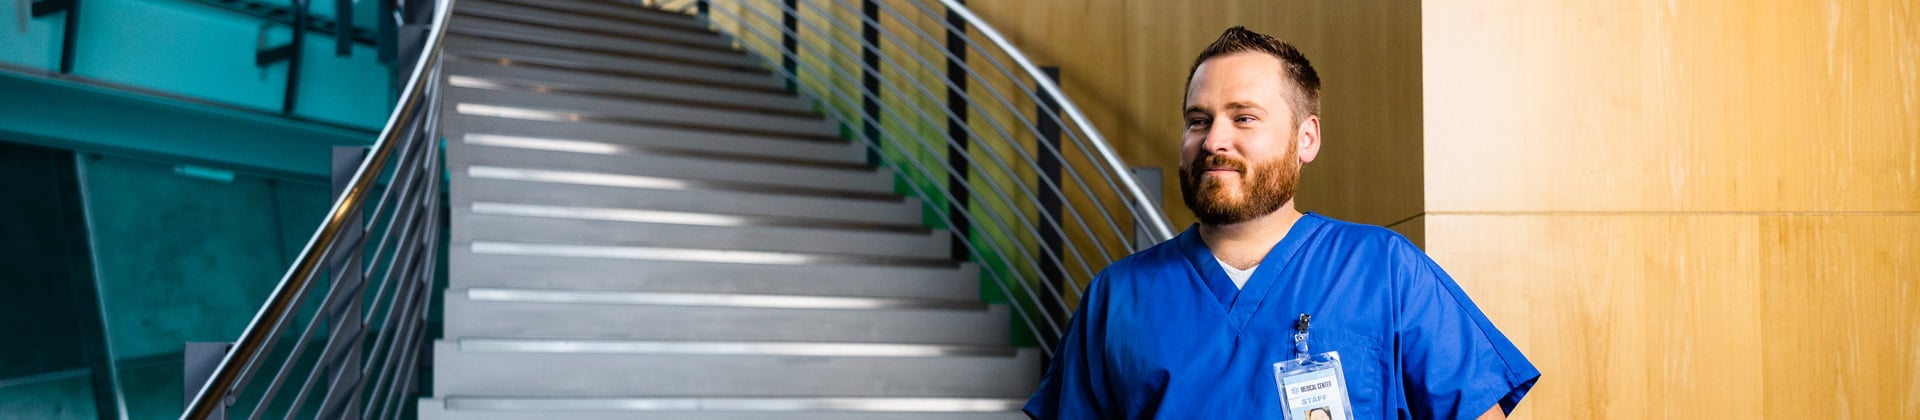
{"x":346,"y":161}
{"x":1150,"y":181}
{"x":790,"y":55}
{"x":957,"y":150}
{"x":869,"y":78}
{"x":199,"y":360}
{"x":1047,"y":161}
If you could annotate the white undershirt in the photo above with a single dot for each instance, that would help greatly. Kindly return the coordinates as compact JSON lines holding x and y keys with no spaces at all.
{"x":1239,"y":276}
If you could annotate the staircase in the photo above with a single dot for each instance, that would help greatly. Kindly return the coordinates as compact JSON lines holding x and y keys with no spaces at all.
{"x":645,"y":224}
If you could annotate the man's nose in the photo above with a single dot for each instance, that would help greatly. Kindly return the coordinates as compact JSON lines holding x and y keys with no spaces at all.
{"x":1220,"y":138}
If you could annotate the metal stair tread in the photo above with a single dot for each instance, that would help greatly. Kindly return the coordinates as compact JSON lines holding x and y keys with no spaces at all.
{"x":541,"y":87}
{"x":901,"y":213}
{"x":561,"y":106}
{"x":691,"y":172}
{"x":718,"y":408}
{"x":739,"y":300}
{"x":605,"y":148}
{"x":846,"y":155}
{"x":684,"y":317}
{"x":723,"y":403}
{"x":482,"y":49}
{"x":716,"y":219}
{"x":702,"y":255}
{"x":469,"y":270}
{"x":664,"y":183}
{"x":645,"y":118}
{"x":749,"y":369}
{"x":755,"y":243}
{"x":616,"y":11}
{"x":530,"y":80}
{"x":625,"y":46}
{"x":592,"y":24}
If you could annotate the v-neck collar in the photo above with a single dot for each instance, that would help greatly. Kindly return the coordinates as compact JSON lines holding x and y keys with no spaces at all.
{"x":1240,"y":303}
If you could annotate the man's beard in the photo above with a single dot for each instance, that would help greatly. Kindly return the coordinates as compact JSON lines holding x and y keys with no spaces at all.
{"x":1264,"y":188}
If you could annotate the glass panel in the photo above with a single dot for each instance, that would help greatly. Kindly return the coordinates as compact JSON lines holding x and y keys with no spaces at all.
{"x":48,"y":316}
{"x":186,"y":253}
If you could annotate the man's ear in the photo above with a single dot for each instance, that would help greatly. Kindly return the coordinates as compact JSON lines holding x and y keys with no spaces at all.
{"x":1309,"y":134}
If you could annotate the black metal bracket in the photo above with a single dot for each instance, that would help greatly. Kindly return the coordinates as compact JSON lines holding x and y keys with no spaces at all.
{"x":72,"y":28}
{"x":274,"y":55}
{"x":48,"y":7}
{"x":289,"y":53}
{"x":389,"y":49}
{"x":343,"y":18}
{"x":283,"y":14}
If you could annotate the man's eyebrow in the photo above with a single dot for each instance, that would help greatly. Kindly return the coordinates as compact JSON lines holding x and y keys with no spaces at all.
{"x":1245,"y":105}
{"x":1230,"y":105}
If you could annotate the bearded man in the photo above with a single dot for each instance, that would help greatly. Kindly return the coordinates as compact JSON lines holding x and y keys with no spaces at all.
{"x":1260,"y":311}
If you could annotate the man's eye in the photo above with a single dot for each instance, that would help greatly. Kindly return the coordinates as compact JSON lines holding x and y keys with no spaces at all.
{"x":1196,"y":122}
{"x":1243,"y":118}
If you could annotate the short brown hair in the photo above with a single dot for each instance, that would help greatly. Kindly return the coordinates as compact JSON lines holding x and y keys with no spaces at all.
{"x":1294,"y":65}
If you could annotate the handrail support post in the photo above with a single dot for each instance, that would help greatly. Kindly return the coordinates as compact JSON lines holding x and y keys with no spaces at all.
{"x":347,"y":161}
{"x":959,"y":148}
{"x":1049,"y":166}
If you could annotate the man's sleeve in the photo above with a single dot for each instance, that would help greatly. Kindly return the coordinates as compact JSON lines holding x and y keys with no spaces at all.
{"x":1455,"y":364}
{"x":1075,"y":384}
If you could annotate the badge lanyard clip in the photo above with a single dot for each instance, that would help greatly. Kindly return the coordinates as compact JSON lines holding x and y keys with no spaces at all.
{"x":1300,"y":337}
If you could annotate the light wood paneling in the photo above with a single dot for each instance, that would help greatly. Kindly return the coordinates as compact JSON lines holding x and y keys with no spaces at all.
{"x":1842,"y":300}
{"x":1672,"y":106}
{"x":1626,"y":316}
{"x":1700,"y":316}
{"x":1685,"y":210}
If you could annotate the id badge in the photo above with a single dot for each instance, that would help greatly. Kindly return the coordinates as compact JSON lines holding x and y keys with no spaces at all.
{"x":1314,"y":388}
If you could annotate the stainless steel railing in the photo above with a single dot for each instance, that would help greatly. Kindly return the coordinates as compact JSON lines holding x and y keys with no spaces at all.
{"x":358,"y":293}
{"x":1044,"y":200}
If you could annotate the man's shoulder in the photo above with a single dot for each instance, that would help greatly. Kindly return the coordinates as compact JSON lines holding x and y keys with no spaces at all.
{"x":1153,"y":259}
{"x":1364,"y":235}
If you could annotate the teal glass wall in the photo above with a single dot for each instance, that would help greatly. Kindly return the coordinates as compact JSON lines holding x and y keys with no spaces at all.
{"x":185,"y":258}
{"x":198,"y":51}
{"x":157,"y":194}
{"x":48,"y":312}
{"x":179,"y":254}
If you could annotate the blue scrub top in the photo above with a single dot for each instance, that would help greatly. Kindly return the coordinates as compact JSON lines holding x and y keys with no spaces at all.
{"x":1165,"y":334}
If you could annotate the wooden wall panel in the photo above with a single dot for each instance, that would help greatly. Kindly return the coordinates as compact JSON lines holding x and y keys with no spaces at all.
{"x":1685,"y":210}
{"x":1700,"y":316}
{"x":1672,"y":106}
{"x":1626,"y":316}
{"x":1842,"y":299}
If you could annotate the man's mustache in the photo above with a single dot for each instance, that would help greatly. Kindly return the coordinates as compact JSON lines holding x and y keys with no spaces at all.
{"x":1208,"y":162}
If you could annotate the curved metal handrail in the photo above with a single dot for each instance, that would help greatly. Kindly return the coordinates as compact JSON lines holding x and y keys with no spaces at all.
{"x":1142,"y":206}
{"x":1035,"y":251}
{"x":1051,"y":325}
{"x":408,"y":145}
